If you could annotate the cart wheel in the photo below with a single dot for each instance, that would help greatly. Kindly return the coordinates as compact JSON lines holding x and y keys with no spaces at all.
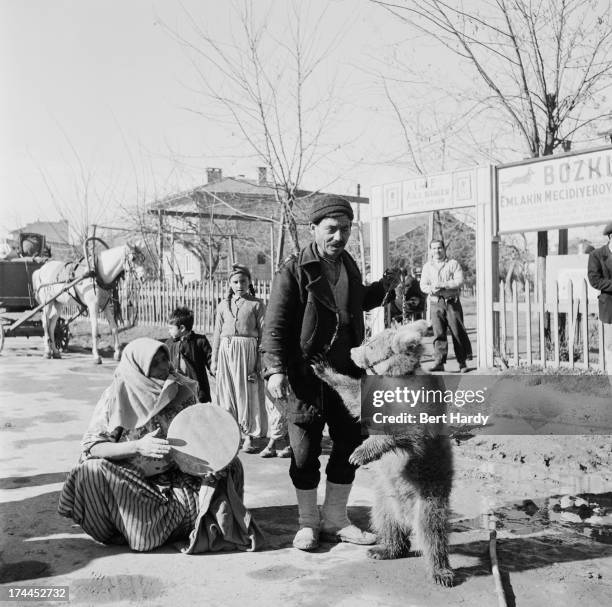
{"x":62,"y":335}
{"x":1,"y":337}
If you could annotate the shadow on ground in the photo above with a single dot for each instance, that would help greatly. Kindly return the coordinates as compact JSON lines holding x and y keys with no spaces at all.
{"x":38,"y":543}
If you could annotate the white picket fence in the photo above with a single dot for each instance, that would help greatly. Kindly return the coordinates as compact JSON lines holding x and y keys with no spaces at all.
{"x":155,"y":301}
{"x":548,"y":331}
{"x":529,"y":329}
{"x":152,"y":302}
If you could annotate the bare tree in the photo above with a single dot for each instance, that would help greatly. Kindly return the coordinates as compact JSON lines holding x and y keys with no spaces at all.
{"x":268,"y":85}
{"x":84,"y":201}
{"x":547,"y":64}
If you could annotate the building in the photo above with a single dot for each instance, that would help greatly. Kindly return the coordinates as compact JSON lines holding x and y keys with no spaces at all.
{"x":227,"y":220}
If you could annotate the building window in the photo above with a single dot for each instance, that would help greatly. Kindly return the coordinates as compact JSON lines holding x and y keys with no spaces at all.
{"x":188,"y":263}
{"x":261,"y":258}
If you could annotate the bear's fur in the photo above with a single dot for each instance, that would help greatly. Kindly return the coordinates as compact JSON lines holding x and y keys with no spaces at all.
{"x":414,"y":470}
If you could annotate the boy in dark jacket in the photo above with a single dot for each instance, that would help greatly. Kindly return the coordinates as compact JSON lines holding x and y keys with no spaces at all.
{"x":190,"y":352}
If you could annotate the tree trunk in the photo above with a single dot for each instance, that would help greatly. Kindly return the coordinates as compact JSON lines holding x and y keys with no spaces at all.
{"x":281,"y":239}
{"x":290,"y":223}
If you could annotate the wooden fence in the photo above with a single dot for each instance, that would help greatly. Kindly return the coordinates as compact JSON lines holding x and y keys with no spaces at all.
{"x":548,"y":331}
{"x":152,"y":302}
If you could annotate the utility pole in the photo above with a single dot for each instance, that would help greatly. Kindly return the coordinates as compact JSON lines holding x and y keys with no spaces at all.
{"x":360,"y":234}
{"x":160,"y":243}
{"x":281,"y":239}
{"x":272,"y":268}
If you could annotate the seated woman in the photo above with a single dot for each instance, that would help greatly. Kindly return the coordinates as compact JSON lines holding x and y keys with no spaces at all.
{"x":126,"y":489}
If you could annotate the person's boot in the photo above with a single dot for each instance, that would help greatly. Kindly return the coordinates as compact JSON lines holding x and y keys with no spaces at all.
{"x":335,"y":523}
{"x":248,"y":446}
{"x":307,"y":537}
{"x":269,"y":450}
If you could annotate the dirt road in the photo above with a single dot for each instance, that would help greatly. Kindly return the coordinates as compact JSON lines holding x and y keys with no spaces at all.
{"x":46,"y":406}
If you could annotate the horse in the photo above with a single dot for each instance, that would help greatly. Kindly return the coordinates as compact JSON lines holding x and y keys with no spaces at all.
{"x":93,"y":292}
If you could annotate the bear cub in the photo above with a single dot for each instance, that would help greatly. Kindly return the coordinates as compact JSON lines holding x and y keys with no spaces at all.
{"x":414,"y":469}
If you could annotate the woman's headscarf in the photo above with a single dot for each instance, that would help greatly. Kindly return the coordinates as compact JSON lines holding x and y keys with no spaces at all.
{"x":240,"y":269}
{"x":139,"y":397}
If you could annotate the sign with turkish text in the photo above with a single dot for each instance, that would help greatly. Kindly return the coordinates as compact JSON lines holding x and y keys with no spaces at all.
{"x":450,"y":190}
{"x":565,"y":191}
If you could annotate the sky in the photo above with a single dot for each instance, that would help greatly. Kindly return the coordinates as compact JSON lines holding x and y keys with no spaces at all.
{"x":98,"y":96}
{"x":96,"y":99}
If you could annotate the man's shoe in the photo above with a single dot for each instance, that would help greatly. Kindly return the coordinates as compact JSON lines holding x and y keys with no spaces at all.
{"x":437,"y":367}
{"x":463,"y":368}
{"x":306,"y":538}
{"x":350,"y":534}
{"x":335,"y":523}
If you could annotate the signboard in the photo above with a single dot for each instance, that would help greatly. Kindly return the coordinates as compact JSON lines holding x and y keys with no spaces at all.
{"x":565,"y":191}
{"x":566,"y":268}
{"x":454,"y":189}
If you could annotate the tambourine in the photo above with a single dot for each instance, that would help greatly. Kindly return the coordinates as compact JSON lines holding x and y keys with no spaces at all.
{"x":204,"y":438}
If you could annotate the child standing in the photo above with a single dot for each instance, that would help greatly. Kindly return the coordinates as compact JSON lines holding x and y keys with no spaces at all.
{"x":235,"y":357}
{"x":190,"y":352}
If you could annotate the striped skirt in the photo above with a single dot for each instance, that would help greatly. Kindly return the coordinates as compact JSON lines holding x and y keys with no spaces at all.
{"x":116,"y":504}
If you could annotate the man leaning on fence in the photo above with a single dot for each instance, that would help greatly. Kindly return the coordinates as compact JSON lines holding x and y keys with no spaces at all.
{"x":441,"y":279}
{"x":600,"y":277}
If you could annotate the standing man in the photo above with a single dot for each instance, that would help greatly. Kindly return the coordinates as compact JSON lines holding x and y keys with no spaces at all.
{"x":316,"y":307}
{"x":600,"y":277}
{"x":441,"y":279}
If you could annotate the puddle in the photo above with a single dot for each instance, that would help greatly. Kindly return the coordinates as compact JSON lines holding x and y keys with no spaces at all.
{"x":587,"y":514}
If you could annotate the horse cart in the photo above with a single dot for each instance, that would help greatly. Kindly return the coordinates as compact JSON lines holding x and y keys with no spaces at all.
{"x":20,"y":313}
{"x":34,"y":290}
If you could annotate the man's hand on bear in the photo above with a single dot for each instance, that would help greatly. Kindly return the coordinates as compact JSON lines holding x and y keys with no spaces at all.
{"x":391,"y":278}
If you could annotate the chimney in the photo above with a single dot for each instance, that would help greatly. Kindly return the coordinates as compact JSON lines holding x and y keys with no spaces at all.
{"x":262,"y":175}
{"x":213,"y":175}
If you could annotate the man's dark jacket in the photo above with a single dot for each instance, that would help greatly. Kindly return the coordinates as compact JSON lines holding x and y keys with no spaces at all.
{"x":600,"y":277}
{"x":302,"y":320}
{"x":195,"y":350}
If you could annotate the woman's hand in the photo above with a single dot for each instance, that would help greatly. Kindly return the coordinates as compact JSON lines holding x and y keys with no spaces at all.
{"x":215,"y":476}
{"x":149,"y":446}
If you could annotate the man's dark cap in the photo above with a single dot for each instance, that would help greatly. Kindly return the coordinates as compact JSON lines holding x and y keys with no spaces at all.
{"x":330,"y":206}
{"x":608,"y":229}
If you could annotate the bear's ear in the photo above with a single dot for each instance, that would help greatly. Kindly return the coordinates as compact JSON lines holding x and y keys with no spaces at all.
{"x":404,"y":339}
